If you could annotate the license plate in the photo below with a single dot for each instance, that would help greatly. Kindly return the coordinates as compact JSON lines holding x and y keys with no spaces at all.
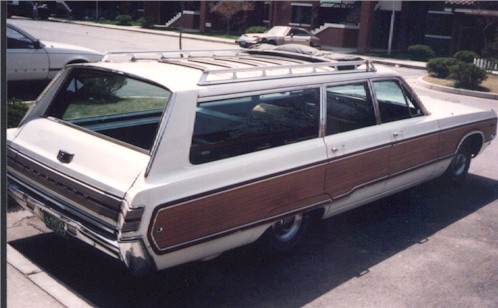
{"x":55,"y":224}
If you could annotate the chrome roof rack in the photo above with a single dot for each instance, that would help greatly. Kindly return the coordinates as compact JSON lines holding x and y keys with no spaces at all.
{"x":221,"y":76}
{"x":266,"y":64}
{"x":130,"y":56}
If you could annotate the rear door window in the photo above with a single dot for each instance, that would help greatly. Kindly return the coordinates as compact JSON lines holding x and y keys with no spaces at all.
{"x":349,"y":107}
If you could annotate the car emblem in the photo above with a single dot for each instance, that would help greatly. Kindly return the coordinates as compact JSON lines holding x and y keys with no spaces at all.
{"x":65,"y":157}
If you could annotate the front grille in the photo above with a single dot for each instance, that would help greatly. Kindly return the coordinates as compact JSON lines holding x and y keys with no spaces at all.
{"x":93,"y":200}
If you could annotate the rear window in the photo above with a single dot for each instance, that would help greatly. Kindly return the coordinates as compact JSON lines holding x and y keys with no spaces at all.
{"x":114,"y":105}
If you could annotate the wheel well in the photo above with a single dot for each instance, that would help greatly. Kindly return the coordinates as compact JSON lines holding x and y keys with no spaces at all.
{"x":317,"y":214}
{"x":473,"y":143}
{"x":77,"y":61}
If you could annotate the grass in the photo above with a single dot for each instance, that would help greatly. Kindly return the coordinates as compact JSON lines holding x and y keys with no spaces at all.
{"x":122,"y":106}
{"x":116,"y":23}
{"x":488,"y":85}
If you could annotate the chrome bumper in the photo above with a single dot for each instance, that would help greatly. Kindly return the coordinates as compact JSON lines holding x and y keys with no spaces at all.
{"x":133,"y":252}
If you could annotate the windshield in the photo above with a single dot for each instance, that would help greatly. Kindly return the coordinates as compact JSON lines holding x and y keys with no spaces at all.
{"x":110,"y":104}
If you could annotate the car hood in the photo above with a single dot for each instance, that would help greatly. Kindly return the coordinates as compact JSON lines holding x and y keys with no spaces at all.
{"x":253,"y":36}
{"x":450,"y":114}
{"x":54,"y":47}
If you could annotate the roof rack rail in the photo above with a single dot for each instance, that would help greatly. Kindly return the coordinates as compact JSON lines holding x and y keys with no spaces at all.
{"x":130,"y":56}
{"x":230,"y":75}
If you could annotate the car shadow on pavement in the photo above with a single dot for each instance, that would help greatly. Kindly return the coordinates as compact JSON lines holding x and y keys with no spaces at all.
{"x":337,"y":249}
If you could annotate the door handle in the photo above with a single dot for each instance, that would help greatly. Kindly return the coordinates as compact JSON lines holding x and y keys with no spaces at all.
{"x":397,"y":134}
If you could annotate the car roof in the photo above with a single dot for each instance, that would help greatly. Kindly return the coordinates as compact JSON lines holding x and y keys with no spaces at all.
{"x":214,"y":71}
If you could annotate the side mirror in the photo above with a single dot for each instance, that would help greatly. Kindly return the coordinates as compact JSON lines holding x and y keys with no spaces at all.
{"x":37,"y":44}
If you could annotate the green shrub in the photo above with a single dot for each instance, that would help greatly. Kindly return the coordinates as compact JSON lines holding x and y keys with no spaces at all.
{"x":420,"y":52}
{"x":145,"y":22}
{"x":440,"y":67}
{"x":491,"y":51}
{"x":16,"y":109}
{"x":466,"y":56}
{"x":467,"y":75}
{"x":123,"y":20}
{"x":256,"y":29}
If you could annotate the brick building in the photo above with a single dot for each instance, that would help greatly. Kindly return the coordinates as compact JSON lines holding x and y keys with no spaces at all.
{"x":447,"y":26}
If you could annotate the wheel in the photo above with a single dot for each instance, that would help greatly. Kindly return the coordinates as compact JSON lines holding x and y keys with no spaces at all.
{"x":284,"y":234}
{"x":459,"y":166}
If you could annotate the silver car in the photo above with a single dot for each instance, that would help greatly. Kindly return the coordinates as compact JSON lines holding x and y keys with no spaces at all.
{"x":31,"y":59}
{"x":280,"y":35}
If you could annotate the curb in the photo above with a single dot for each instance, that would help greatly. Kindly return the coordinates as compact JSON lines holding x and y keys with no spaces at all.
{"x":148,"y":31}
{"x":400,"y":63}
{"x":478,"y":94}
{"x":44,"y":281}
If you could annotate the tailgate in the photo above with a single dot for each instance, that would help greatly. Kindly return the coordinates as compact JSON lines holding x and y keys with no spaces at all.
{"x":96,"y":162}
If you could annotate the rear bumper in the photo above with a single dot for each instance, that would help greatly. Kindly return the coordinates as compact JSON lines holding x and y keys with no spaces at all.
{"x":132,"y":252}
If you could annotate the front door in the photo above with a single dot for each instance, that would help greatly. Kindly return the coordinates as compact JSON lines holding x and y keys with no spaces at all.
{"x":26,"y":59}
{"x":358,"y":148}
{"x":415,"y":138}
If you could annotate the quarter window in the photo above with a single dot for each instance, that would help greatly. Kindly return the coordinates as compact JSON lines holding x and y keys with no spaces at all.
{"x":349,"y":107}
{"x":231,"y":127}
{"x":395,"y":102}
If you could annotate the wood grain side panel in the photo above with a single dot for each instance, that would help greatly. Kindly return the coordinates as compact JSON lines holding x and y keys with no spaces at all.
{"x":412,"y":153}
{"x":346,"y":174}
{"x":451,"y":138}
{"x":223,"y":211}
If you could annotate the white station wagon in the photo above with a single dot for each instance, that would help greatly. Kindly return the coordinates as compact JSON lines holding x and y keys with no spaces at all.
{"x":164,"y":158}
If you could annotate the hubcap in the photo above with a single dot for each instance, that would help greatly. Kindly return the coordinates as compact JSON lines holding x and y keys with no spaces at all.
{"x":287,"y":228}
{"x":459,"y":164}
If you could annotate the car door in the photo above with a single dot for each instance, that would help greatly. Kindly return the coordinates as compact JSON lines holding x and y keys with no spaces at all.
{"x":414,"y":136}
{"x":358,"y":148}
{"x":26,"y":57}
{"x":297,"y":36}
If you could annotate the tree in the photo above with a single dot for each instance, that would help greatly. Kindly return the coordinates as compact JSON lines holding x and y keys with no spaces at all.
{"x":230,"y":8}
{"x":487,"y":20}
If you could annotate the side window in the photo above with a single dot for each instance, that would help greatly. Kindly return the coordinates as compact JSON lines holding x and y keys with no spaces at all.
{"x":17,"y":40}
{"x":231,"y":127}
{"x":298,"y":32}
{"x":349,"y":107}
{"x":394,"y":103}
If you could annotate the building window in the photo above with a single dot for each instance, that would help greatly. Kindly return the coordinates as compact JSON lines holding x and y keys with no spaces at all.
{"x":266,"y":14}
{"x":301,"y":14}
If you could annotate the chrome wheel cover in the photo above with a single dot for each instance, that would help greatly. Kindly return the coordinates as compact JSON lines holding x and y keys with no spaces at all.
{"x":459,"y":164}
{"x":287,"y":228}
